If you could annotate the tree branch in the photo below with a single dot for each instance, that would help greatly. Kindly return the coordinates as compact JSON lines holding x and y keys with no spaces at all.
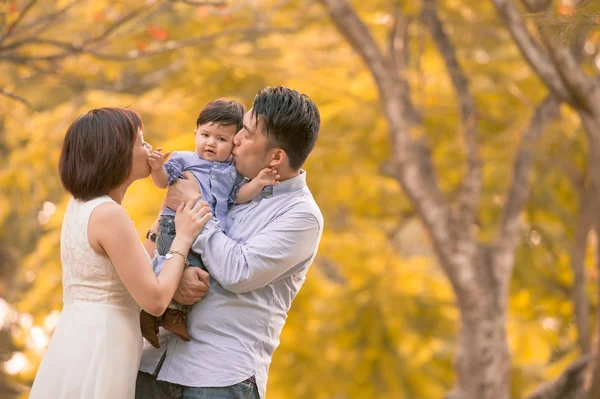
{"x":117,"y":24}
{"x":44,"y":21}
{"x":587,"y":214}
{"x":569,"y":385}
{"x":470,"y":191}
{"x":200,"y":3}
{"x":71,"y":50}
{"x":411,"y":162}
{"x":15,"y":97}
{"x":393,"y":88}
{"x":518,"y":191}
{"x":594,"y":390}
{"x":398,"y":42}
{"x":585,"y":89}
{"x":533,"y":53}
{"x":17,"y":21}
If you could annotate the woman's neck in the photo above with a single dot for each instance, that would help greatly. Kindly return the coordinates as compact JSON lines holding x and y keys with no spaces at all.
{"x":118,"y":193}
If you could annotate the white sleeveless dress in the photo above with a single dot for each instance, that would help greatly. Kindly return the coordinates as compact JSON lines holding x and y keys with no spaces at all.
{"x":96,"y":348}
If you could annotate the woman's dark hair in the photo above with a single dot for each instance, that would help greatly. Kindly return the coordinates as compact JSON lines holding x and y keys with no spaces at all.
{"x":224,"y":112}
{"x":291,"y":120}
{"x":97,"y":153}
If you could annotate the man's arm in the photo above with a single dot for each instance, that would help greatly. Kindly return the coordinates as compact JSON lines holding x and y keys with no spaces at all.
{"x":193,"y":286}
{"x":284,"y":243}
{"x":182,"y":190}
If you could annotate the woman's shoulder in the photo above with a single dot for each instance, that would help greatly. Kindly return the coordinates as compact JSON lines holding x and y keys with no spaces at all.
{"x":109,"y":211}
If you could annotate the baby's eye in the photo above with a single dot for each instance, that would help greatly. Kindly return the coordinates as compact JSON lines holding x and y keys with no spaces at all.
{"x":204,"y":135}
{"x":222,"y":139}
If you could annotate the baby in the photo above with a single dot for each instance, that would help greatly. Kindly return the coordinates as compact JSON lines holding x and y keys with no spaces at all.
{"x":220,"y":185}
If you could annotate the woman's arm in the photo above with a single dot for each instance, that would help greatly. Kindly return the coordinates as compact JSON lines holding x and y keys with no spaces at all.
{"x":150,"y":245}
{"x":111,"y":232}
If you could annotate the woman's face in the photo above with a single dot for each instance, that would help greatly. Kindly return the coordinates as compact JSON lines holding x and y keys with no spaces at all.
{"x":140,"y":168}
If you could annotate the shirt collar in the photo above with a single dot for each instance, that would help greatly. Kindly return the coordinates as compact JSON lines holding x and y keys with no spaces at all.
{"x":287,"y":186}
{"x":229,"y":162}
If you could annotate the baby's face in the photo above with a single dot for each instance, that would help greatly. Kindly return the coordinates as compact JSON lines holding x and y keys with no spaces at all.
{"x":214,"y":142}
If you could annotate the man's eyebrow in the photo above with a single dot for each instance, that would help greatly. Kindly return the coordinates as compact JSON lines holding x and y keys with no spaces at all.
{"x":247,"y":128}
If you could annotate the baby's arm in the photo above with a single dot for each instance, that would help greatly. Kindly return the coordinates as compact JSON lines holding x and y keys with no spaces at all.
{"x":266,"y":177}
{"x":159,"y":174}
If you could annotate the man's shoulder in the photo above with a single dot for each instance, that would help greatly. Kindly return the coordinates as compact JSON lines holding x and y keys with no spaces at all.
{"x":302,"y":202}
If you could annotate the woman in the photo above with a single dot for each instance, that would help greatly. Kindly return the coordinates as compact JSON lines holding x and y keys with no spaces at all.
{"x":97,"y":344}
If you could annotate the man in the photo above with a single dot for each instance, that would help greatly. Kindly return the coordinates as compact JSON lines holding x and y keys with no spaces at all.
{"x":256,"y":270}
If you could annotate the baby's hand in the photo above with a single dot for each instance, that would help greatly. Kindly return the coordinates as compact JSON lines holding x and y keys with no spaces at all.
{"x":267,"y":177}
{"x":157,"y":158}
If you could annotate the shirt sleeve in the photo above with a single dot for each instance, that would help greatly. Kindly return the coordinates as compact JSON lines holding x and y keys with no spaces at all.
{"x":174,"y":168}
{"x":287,"y":241}
{"x":237,"y":184}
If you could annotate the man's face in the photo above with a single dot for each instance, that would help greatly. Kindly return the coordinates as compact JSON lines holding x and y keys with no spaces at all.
{"x":214,"y":142}
{"x":251,"y":147}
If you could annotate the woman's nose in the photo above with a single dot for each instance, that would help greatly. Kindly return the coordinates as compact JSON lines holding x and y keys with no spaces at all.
{"x":149,"y":146}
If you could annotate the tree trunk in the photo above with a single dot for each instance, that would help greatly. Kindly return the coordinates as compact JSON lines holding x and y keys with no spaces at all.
{"x":479,"y":274}
{"x":483,"y":357}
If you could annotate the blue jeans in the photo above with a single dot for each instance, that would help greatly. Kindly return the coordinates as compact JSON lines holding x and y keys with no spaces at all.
{"x":147,"y":387}
{"x":164,"y":238}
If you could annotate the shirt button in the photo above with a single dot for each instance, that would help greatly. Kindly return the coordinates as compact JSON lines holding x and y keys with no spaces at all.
{"x":232,"y":174}
{"x":213,"y":177}
{"x":215,"y":166}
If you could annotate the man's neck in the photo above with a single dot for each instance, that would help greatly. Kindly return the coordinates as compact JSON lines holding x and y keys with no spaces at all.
{"x":288,"y":174}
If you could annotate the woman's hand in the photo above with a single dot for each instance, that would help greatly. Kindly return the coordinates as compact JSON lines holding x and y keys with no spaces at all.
{"x":191,"y":218}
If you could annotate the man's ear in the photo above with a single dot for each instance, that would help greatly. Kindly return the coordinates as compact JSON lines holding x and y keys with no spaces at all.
{"x":279,"y":157}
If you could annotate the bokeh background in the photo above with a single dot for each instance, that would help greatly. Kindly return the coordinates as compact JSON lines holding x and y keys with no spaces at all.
{"x":458,"y":137}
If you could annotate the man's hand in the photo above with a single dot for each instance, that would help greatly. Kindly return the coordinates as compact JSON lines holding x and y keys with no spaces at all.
{"x":157,"y":158}
{"x":182,"y":190}
{"x":267,"y":177}
{"x":193,"y":286}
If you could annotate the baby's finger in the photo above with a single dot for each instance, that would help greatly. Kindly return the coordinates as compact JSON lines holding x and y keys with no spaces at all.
{"x":167,"y":154}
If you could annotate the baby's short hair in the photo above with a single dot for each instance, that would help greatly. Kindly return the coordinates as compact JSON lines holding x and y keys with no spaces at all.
{"x":223,"y":111}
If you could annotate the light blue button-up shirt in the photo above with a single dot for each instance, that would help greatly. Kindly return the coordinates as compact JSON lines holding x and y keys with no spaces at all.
{"x":219,"y":181}
{"x":256,"y":271}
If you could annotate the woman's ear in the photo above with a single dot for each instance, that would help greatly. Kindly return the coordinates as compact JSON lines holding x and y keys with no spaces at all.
{"x":279,"y":157}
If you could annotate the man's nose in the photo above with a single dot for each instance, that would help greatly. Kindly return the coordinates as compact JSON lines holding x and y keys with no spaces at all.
{"x":236,"y":139}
